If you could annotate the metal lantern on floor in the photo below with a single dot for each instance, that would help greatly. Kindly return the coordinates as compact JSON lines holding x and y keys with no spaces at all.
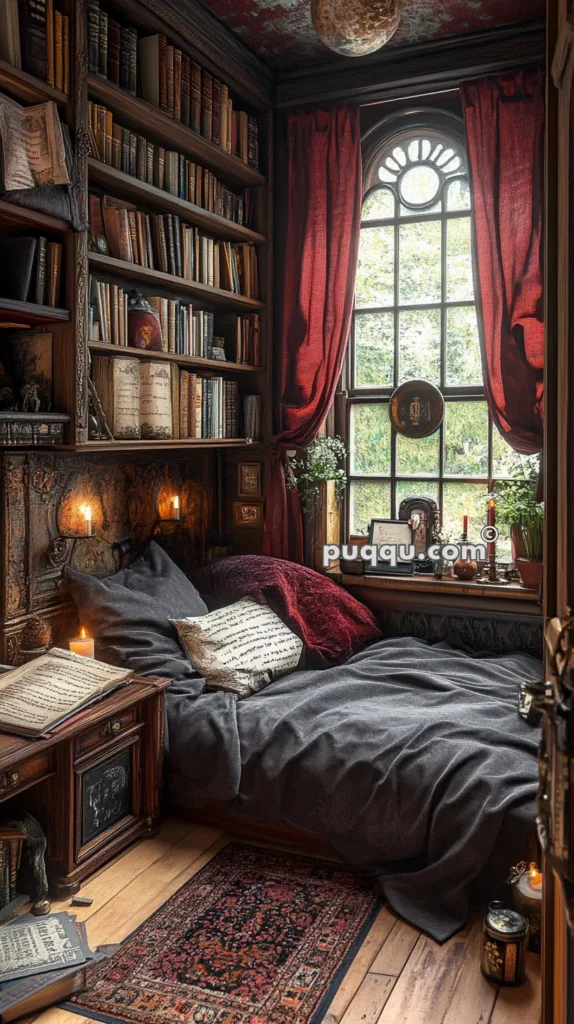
{"x":355,"y":27}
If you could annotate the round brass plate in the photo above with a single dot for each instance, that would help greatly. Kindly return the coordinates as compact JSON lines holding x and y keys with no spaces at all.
{"x":416,"y":409}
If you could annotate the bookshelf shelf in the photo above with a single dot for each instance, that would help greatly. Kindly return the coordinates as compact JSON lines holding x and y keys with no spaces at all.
{"x":129,"y":187}
{"x":137,"y":446}
{"x":213,"y":365}
{"x":26,"y":88}
{"x":22,"y":217}
{"x":150,"y":120}
{"x":27,"y":313}
{"x":214,"y":298}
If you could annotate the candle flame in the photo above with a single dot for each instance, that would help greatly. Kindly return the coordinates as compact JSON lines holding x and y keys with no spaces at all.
{"x":535,"y":876}
{"x":492,"y":503}
{"x":176,"y":501}
{"x":83,"y":634}
{"x":86,"y":511}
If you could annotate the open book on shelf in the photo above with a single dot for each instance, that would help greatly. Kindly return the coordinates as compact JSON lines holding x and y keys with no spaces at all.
{"x":39,"y":696}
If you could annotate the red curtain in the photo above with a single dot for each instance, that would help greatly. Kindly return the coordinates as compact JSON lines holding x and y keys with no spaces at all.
{"x":505,"y":140}
{"x":323,"y":216}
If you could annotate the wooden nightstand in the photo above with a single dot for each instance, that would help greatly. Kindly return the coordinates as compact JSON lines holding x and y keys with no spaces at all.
{"x":95,"y":785}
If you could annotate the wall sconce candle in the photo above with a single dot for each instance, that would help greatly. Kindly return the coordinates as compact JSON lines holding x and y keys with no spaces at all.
{"x":83,"y":644}
{"x":175,"y":504}
{"x":87,"y":514}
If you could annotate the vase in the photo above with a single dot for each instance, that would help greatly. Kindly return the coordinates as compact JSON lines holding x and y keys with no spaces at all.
{"x":530,"y":573}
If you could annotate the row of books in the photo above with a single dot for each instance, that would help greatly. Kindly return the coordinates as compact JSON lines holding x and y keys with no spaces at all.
{"x":30,"y":270}
{"x":174,"y":173}
{"x":143,"y":400}
{"x":36,"y":37}
{"x":171,"y":81}
{"x":10,"y":853}
{"x":184,"y":330}
{"x":163,"y":242}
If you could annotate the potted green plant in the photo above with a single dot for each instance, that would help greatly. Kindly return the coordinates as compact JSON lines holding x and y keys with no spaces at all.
{"x":518,"y":509}
{"x":320,"y":475}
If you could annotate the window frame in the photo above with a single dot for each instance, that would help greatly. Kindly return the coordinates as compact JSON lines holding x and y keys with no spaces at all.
{"x":381,"y":135}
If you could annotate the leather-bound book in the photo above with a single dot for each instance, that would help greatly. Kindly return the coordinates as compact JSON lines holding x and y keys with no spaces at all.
{"x":150,"y":157}
{"x":224,"y":101}
{"x":195,"y":116}
{"x":114,"y":37}
{"x":16,"y":265}
{"x":53,"y":271}
{"x":38,"y":290}
{"x":177,"y":55}
{"x":216,"y":119}
{"x":32,"y":17}
{"x":133,"y":61}
{"x":185,"y":90}
{"x":66,"y":52}
{"x":103,"y":51}
{"x":125,"y":45}
{"x":50,"y":65}
{"x":117,"y":140}
{"x":169,"y":78}
{"x":206,"y":104}
{"x":93,"y":36}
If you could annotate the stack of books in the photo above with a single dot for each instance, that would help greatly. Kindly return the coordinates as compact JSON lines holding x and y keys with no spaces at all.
{"x":10,"y":853}
{"x":171,"y":81}
{"x":150,"y":400}
{"x":30,"y":270}
{"x":161,"y":241}
{"x":166,"y":169}
{"x":43,"y":961}
{"x":36,"y":37}
{"x":185,"y":331}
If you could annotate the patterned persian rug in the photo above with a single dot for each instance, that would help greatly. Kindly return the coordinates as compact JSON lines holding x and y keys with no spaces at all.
{"x":256,"y":937}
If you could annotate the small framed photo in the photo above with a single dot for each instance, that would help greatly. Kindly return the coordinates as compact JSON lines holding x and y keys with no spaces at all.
{"x":247,"y":514}
{"x":398,"y":534}
{"x":249,"y":480}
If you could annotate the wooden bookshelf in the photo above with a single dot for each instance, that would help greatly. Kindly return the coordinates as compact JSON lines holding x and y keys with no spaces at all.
{"x":12,"y":215}
{"x":128,"y":187}
{"x":26,"y":314}
{"x":26,"y":88}
{"x":156,"y":125}
{"x":212,"y":298}
{"x":211,"y":365}
{"x":138,"y":446}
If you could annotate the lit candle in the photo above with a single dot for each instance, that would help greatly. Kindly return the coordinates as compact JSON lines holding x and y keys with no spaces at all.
{"x":465,"y":524}
{"x":87,"y":514}
{"x":83,"y":644}
{"x":175,"y":502}
{"x":528,"y":901}
{"x":491,"y":522}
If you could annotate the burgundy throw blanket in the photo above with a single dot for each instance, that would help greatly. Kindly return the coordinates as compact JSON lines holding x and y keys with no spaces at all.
{"x":332,"y":624}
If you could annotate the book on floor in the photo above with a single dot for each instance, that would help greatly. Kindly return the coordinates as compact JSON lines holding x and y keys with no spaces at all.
{"x":42,"y":694}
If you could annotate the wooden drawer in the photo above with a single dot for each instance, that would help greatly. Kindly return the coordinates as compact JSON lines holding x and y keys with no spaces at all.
{"x":14,"y":780}
{"x":110,"y":729}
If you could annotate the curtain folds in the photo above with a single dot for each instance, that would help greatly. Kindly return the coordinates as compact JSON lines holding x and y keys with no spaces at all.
{"x":323,"y":190}
{"x":505,"y":139}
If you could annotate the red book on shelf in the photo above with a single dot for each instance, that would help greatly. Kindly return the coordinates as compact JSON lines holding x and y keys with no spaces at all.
{"x":177,"y":55}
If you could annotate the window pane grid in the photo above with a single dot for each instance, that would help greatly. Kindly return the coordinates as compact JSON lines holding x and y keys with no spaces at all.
{"x":424,"y":326}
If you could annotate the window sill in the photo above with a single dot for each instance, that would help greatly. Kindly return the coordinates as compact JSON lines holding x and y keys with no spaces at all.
{"x":455,"y":589}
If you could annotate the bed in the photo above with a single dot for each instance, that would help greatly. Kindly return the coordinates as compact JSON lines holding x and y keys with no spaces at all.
{"x":410,"y":759}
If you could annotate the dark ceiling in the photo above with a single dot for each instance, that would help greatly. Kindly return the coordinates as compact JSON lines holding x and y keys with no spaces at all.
{"x":281,"y":32}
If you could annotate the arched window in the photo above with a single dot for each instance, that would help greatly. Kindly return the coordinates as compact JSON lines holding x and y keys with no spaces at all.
{"x":415,"y":317}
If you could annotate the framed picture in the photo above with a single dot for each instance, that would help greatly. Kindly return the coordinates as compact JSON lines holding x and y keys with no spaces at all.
{"x":423,"y":516}
{"x":399,"y":534}
{"x":249,"y":480}
{"x":247,"y":514}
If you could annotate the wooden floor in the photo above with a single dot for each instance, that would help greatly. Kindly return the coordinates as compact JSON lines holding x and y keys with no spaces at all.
{"x":398,"y":976}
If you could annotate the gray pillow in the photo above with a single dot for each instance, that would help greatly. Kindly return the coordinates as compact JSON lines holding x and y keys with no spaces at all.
{"x":128,"y":614}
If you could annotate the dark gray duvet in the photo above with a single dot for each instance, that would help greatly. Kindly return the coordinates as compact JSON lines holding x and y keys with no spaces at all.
{"x":410,"y":759}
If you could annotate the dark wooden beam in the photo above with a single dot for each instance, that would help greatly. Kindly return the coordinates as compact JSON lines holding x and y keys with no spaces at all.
{"x":407,"y":71}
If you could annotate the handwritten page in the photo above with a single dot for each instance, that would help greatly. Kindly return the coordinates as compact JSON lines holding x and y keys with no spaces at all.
{"x":41,"y":693}
{"x":32,"y":145}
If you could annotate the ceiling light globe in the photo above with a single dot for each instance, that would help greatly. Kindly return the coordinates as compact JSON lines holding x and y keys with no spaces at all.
{"x":355,"y":28}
